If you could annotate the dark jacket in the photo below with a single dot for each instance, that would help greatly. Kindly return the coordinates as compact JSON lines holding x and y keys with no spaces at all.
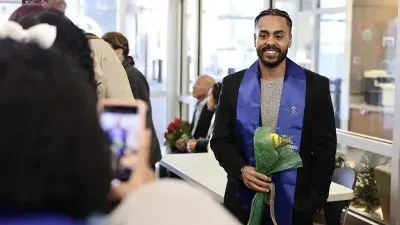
{"x":317,"y":148}
{"x":202,"y":126}
{"x":141,"y":90}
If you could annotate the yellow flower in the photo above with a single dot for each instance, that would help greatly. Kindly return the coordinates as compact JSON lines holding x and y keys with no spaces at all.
{"x":276,"y":140}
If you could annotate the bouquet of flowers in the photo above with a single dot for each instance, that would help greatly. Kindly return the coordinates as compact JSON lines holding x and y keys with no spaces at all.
{"x":273,"y":153}
{"x":176,"y":130}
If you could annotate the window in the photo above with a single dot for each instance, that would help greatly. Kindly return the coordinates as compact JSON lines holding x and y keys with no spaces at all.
{"x":227,"y":36}
{"x":371,"y":72}
{"x":331,"y":4}
{"x":192,"y":41}
{"x":331,"y":59}
{"x":360,"y":66}
{"x":304,"y":41}
{"x":159,"y":110}
{"x":6,"y":9}
{"x":151,"y":42}
{"x":93,"y":16}
{"x":372,"y":183}
{"x":306,"y":5}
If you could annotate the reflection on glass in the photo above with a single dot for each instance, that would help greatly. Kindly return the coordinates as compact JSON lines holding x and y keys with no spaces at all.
{"x":6,"y":9}
{"x":331,"y":4}
{"x":372,"y":185}
{"x":227,"y":36}
{"x":304,"y":40}
{"x":306,"y":5}
{"x":192,"y":44}
{"x":93,"y":16}
{"x":151,"y":42}
{"x":331,"y":58}
{"x":371,"y":77}
{"x":233,"y":7}
{"x":159,"y":109}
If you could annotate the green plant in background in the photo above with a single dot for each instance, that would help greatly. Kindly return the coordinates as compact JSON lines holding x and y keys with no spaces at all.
{"x":366,"y":193}
{"x":340,"y":160}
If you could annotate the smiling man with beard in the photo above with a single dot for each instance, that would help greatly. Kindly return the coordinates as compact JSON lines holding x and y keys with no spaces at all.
{"x":277,"y":93}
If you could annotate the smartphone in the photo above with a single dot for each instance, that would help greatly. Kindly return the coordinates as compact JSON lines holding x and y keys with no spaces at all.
{"x":122,"y":121}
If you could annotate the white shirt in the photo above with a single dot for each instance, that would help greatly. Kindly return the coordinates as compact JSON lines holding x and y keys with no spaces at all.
{"x":210,"y":130}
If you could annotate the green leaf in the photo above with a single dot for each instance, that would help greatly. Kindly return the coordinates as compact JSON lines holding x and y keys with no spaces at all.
{"x":264,"y":151}
{"x":287,"y":160}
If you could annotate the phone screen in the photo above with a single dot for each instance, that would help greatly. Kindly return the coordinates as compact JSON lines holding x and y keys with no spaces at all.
{"x":121,"y":125}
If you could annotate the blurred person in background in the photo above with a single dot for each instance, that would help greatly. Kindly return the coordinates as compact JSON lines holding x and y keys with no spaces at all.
{"x":56,"y":164}
{"x":60,"y":5}
{"x":131,"y":61}
{"x":61,"y":167}
{"x":72,"y":41}
{"x":201,"y":119}
{"x":25,"y":10}
{"x":200,"y":145}
{"x":139,"y":85}
{"x":109,"y":70}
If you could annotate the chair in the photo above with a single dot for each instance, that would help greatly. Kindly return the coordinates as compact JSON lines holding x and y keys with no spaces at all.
{"x":344,"y":176}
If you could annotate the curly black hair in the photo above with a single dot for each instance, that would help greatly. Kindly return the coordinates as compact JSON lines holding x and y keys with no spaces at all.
{"x":71,"y":40}
{"x":54,"y":155}
{"x":216,"y":91}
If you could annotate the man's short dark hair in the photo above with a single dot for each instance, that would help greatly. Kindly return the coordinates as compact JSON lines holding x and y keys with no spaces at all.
{"x":54,"y":155}
{"x":274,"y":12}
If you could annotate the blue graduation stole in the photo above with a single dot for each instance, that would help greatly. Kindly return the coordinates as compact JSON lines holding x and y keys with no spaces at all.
{"x":290,"y":122}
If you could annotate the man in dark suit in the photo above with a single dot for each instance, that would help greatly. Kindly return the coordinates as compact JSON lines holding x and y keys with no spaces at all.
{"x":201,"y":119}
{"x":277,"y":93}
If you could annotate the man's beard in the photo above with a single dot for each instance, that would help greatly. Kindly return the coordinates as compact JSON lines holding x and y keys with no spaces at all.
{"x":279,"y":58}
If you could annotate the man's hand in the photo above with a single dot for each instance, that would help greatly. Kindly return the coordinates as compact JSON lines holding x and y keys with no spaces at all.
{"x":192,"y":145}
{"x":181,"y":144}
{"x":255,"y":180}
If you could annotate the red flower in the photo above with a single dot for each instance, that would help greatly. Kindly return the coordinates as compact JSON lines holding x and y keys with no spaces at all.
{"x":171,"y":127}
{"x":178,"y":124}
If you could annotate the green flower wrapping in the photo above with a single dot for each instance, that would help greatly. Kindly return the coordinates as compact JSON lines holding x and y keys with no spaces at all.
{"x":273,"y":153}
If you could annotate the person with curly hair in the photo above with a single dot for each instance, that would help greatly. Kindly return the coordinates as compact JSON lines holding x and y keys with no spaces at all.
{"x":70,"y":39}
{"x":55,"y":163}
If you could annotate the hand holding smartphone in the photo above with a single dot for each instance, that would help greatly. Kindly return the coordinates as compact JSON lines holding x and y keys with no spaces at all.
{"x":122,"y":122}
